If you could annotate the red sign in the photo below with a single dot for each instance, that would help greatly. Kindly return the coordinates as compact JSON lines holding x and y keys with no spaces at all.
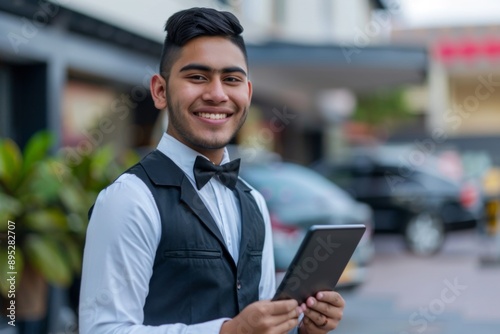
{"x":467,"y":50}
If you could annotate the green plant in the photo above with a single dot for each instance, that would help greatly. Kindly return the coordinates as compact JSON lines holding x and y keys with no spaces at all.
{"x":47,"y":197}
{"x":100,"y":168}
{"x":382,"y":108}
{"x":47,"y":209}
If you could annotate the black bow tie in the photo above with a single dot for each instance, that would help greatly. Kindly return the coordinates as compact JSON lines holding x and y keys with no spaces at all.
{"x":204,"y":170}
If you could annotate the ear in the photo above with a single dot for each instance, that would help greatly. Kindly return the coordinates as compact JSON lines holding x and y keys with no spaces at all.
{"x":158,"y":87}
{"x":250,"y":91}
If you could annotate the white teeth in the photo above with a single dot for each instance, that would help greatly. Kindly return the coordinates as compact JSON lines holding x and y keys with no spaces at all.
{"x":211,"y":115}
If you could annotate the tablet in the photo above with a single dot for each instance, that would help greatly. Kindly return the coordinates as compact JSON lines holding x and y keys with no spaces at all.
{"x":319,"y":261}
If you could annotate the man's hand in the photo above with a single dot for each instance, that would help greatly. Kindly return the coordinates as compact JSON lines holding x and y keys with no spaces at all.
{"x":322,"y":313}
{"x":264,"y":317}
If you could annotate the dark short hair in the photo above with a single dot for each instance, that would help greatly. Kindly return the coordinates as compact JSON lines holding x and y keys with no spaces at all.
{"x":187,"y":24}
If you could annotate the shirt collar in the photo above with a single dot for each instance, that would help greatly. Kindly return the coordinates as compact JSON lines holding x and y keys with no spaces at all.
{"x":182,"y":155}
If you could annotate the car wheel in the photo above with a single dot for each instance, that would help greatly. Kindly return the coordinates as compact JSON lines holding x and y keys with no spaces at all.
{"x":424,"y":234}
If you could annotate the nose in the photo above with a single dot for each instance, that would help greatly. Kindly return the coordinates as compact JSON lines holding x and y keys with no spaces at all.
{"x":215,"y":92}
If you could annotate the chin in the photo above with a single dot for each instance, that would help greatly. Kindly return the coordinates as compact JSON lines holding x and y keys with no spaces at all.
{"x":214,"y":146}
{"x":214,"y":143}
{"x":210,"y":145}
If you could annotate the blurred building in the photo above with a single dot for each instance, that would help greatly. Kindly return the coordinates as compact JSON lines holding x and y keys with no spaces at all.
{"x":66,"y":71}
{"x":462,"y":98}
{"x":82,"y":68}
{"x":313,"y":58}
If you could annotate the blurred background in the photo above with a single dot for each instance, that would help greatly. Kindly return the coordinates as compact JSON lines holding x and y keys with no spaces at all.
{"x":385,"y":113}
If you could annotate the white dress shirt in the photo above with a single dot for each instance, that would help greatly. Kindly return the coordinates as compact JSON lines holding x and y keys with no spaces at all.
{"x":122,"y":238}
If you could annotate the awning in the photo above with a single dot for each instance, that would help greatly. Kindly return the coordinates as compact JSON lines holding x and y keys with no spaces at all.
{"x":290,"y":72}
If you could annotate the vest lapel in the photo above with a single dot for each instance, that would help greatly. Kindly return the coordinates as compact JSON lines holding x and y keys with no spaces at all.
{"x":164,"y":172}
{"x":191,"y":198}
{"x":247,"y":217}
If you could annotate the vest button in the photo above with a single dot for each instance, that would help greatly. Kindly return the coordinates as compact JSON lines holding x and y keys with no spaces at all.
{"x":238,"y":285}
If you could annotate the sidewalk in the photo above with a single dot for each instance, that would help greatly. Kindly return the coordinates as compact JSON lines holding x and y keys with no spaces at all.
{"x":449,"y":293}
{"x":379,"y":316}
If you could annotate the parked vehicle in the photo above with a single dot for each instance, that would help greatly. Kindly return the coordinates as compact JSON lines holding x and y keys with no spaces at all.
{"x":297,"y":198}
{"x":418,"y":200}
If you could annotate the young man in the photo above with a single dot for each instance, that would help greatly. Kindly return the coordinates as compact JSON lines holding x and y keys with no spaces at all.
{"x":179,"y":244}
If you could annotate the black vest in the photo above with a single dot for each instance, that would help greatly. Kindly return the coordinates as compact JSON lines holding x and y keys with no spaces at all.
{"x":195,"y":279}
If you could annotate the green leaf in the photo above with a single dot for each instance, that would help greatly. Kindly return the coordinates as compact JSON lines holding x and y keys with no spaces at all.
{"x":101,"y":162}
{"x":3,"y":162}
{"x":77,"y":223}
{"x":46,"y":220}
{"x":41,"y":185}
{"x":46,"y":256}
{"x":58,"y":169}
{"x":5,"y":269}
{"x":37,"y":149}
{"x":80,"y":170}
{"x":74,"y":197}
{"x":10,"y":207}
{"x":382,"y":107}
{"x":129,"y":158}
{"x":74,"y":255}
{"x":10,"y":163}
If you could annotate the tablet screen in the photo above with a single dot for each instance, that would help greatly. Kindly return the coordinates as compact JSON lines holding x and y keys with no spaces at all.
{"x":319,"y":261}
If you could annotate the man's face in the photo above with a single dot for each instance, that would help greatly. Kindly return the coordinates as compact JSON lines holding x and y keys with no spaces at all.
{"x":208,"y":94}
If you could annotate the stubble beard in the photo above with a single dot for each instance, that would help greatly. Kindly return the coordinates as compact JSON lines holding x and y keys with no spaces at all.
{"x":175,"y":122}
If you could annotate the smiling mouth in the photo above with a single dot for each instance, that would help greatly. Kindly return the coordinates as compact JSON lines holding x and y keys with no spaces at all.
{"x":211,"y":115}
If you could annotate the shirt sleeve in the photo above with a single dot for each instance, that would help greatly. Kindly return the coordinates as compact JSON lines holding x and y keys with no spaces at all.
{"x":122,"y":237}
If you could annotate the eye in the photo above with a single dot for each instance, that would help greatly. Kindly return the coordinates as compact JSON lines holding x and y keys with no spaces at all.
{"x":233,"y":79}
{"x":196,"y":77}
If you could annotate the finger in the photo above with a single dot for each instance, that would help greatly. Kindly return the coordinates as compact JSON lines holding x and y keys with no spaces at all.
{"x":282,"y":323}
{"x":314,"y":304}
{"x":331,"y":304}
{"x":311,"y":323}
{"x":294,"y":314}
{"x":287,"y":325}
{"x":316,"y":308}
{"x":331,"y":297}
{"x":326,"y":302}
{"x":315,"y":317}
{"x":283,"y":306}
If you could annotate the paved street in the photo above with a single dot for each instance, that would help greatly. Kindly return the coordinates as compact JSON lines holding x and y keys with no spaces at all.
{"x":450,"y":293}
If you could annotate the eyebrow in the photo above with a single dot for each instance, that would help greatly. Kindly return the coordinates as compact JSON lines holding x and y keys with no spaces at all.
{"x":205,"y":68}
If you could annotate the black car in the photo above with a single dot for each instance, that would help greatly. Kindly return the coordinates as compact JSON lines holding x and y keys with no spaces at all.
{"x":417,"y":200}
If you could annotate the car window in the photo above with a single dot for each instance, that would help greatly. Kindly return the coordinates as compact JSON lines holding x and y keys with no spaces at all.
{"x":435,"y":182}
{"x":288,"y":183}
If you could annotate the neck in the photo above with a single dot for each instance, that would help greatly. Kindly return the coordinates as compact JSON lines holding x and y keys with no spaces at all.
{"x":214,"y":155}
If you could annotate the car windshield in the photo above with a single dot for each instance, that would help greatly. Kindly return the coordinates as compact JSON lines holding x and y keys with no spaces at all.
{"x":288,"y":183}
